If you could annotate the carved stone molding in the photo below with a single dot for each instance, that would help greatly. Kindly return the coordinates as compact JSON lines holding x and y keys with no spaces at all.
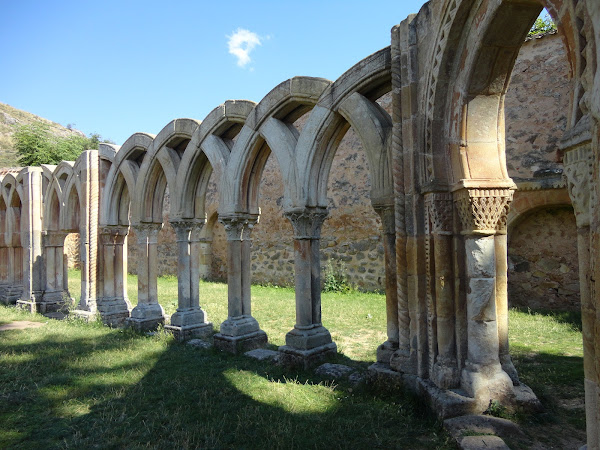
{"x":578,"y":170}
{"x":234,"y":226}
{"x":147,"y":232}
{"x":307,"y":222}
{"x":440,"y":209}
{"x":480,"y":210}
{"x":388,"y":218}
{"x":187,"y":230}
{"x":113,"y":234}
{"x":54,"y":238}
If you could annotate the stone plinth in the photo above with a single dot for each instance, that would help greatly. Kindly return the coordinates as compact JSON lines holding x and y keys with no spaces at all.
{"x":146,"y":317}
{"x":239,"y":335}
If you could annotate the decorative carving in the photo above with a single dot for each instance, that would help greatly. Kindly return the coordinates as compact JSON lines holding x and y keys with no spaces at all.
{"x":440,"y":212}
{"x":480,"y":210}
{"x":388,"y":218}
{"x":113,"y":234}
{"x":54,"y":238}
{"x":578,"y":170}
{"x":234,"y":226}
{"x":147,"y":232}
{"x":307,"y":222}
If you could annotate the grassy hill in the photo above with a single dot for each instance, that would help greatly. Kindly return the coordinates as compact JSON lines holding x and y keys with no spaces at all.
{"x":10,"y":119}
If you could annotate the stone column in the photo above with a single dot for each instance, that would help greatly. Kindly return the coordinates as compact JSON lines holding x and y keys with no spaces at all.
{"x":189,"y":320}
{"x":56,"y":292}
{"x":309,"y":342}
{"x":30,"y":244}
{"x":501,"y":250}
{"x":388,"y":224}
{"x":480,"y":210}
{"x":240,"y":332}
{"x":578,"y":169}
{"x":113,"y":303}
{"x":4,"y":270}
{"x":441,"y":213}
{"x":148,"y":313}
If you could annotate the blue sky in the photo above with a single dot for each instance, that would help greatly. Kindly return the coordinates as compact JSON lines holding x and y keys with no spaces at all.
{"x":118,"y":67}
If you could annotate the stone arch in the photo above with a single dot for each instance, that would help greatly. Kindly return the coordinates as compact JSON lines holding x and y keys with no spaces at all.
{"x":268,"y":128}
{"x":121,"y":180}
{"x":348,"y":101}
{"x":208,"y":151}
{"x":535,"y":201}
{"x":12,"y":248}
{"x":159,"y":169}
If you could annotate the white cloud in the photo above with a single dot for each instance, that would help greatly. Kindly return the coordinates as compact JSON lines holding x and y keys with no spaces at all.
{"x":241,"y":43}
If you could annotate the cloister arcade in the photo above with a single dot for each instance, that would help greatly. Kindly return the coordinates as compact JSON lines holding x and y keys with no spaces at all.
{"x":440,"y":185}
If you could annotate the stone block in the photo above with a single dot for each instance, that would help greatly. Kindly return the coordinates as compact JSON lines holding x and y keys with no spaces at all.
{"x":186,"y":332}
{"x":482,"y":442}
{"x":333,"y":370}
{"x":199,"y":343}
{"x":305,"y":359}
{"x":262,"y":354}
{"x":240,"y":344}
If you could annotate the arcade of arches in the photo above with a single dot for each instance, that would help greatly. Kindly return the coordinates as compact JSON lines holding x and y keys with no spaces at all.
{"x":439,"y":182}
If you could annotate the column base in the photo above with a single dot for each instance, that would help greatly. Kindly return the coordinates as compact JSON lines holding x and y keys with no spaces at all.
{"x":42,"y":306}
{"x":146,"y":317}
{"x":240,"y":344}
{"x":445,"y":374}
{"x":114,"y":311}
{"x":404,"y":361}
{"x":309,"y":338}
{"x":305,"y":359}
{"x":385,"y":351}
{"x":448,"y":403}
{"x":9,"y":294}
{"x":187,"y":332}
{"x":487,"y":383}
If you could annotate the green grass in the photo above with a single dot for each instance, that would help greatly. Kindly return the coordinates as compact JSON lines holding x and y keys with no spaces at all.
{"x":72,"y":384}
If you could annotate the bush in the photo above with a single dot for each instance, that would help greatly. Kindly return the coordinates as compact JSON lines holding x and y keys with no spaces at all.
{"x":335,"y":278}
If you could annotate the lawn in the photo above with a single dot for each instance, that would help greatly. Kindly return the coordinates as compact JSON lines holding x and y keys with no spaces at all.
{"x":71,"y":384}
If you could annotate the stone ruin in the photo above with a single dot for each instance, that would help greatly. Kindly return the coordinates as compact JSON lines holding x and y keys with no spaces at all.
{"x":439,"y":181}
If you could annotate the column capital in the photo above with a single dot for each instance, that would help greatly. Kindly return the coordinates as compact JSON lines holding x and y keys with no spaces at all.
{"x":113,"y":234}
{"x":307,"y":222}
{"x":54,"y":238}
{"x":147,"y":232}
{"x":480,"y":209}
{"x":440,"y":210}
{"x":387,"y":213}
{"x":187,"y":229}
{"x":234,"y":226}
{"x":578,"y":171}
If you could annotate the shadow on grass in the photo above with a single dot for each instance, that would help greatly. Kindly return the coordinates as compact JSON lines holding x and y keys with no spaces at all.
{"x":121,"y":390}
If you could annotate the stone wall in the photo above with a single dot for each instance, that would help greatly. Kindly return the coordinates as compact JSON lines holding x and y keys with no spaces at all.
{"x":542,"y":258}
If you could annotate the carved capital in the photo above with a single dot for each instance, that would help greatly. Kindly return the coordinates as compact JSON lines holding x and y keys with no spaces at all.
{"x":440,"y":210}
{"x":54,"y":238}
{"x":251,"y":221}
{"x":388,"y":218}
{"x":480,"y":210}
{"x":113,"y":234}
{"x":307,"y":222}
{"x":234,"y":226}
{"x":578,"y":171}
{"x":147,"y":232}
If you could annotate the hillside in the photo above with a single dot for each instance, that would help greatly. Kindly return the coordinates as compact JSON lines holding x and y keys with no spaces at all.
{"x":10,"y":119}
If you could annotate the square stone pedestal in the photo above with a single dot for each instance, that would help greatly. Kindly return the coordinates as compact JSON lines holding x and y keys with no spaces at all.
{"x":187,"y":332}
{"x":306,"y":359}
{"x":240,"y":344}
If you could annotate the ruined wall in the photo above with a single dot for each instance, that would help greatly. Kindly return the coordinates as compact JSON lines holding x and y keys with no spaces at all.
{"x":542,"y":255}
{"x":536,"y":107}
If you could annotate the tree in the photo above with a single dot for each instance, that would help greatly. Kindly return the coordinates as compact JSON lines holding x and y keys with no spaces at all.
{"x":36,"y":145}
{"x":543,"y":24}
